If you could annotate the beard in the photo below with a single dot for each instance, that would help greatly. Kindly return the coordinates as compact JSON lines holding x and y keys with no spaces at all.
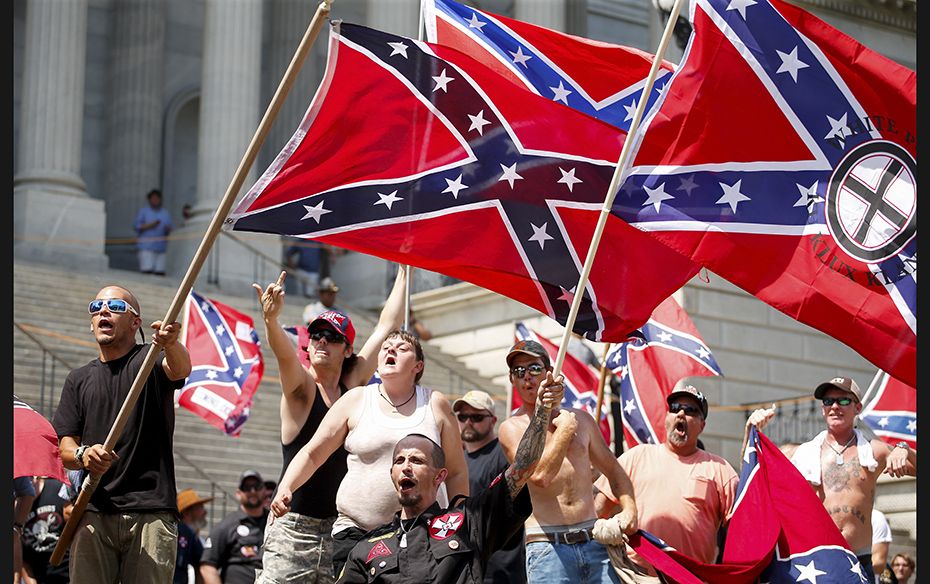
{"x":472,"y":435}
{"x":409,"y":500}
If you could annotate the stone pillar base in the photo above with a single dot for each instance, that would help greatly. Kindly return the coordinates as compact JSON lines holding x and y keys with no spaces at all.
{"x":59,"y":229}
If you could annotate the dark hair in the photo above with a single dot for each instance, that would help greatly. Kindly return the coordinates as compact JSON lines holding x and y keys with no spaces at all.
{"x":153,"y":192}
{"x":415,"y":343}
{"x":437,"y":456}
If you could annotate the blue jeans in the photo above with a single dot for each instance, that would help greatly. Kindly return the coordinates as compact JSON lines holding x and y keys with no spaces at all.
{"x":559,"y":563}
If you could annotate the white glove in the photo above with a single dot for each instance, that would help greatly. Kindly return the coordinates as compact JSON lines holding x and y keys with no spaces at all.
{"x":609,"y":531}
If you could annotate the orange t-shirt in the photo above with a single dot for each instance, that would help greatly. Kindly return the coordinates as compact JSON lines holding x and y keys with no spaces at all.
{"x":681,"y":499}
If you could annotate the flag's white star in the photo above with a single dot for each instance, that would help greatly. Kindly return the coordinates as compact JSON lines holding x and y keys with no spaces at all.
{"x":687,"y":185}
{"x":519,"y":58}
{"x":398,"y":49}
{"x":568,"y":178}
{"x":808,"y":196}
{"x":315,"y":212}
{"x":808,"y":572}
{"x":205,"y":306}
{"x":630,"y":406}
{"x":731,"y":195}
{"x":474,"y":22}
{"x":749,"y":450}
{"x":838,"y":128}
{"x":211,"y":374}
{"x":387,"y":200}
{"x":656,"y":196}
{"x":442,"y":81}
{"x":237,"y":372}
{"x":740,"y":5}
{"x":454,"y":186}
{"x":567,"y":295}
{"x":660,"y":89}
{"x":702,"y":353}
{"x":539,"y":235}
{"x":790,"y":63}
{"x":510,"y":174}
{"x":883,"y":422}
{"x":478,"y":122}
{"x":229,"y":350}
{"x":665,"y":336}
{"x":219,"y":330}
{"x":630,"y":111}
{"x":912,"y":426}
{"x":856,"y":568}
{"x":560,"y":93}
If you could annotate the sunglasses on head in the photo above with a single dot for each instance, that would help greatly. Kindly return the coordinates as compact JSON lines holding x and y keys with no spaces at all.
{"x":330,"y":336}
{"x":843,"y":401}
{"x":535,"y":370}
{"x":688,"y":409}
{"x":475,"y":418}
{"x":112,"y":304}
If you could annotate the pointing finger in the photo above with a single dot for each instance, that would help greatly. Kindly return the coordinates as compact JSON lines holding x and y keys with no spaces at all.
{"x":281,"y":278}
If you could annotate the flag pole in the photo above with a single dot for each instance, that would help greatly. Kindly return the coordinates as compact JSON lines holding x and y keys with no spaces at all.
{"x":614,"y":185}
{"x":872,"y":387}
{"x":290,"y":76}
{"x":601,"y":383}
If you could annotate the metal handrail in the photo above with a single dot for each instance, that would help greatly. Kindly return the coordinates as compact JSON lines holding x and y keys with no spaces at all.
{"x":215,"y":489}
{"x":47,"y":354}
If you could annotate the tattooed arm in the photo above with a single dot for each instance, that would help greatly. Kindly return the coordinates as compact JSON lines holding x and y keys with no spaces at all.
{"x":533,"y":442}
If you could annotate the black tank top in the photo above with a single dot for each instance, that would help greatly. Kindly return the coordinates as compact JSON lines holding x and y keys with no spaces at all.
{"x":317,"y":497}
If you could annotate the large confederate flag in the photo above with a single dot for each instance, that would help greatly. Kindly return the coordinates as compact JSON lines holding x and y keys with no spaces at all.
{"x":784,"y":158}
{"x":419,"y":154}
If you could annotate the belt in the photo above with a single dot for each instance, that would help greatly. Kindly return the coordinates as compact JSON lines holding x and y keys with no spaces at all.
{"x":571,"y":537}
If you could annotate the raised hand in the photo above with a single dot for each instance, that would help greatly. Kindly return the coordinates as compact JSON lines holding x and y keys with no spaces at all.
{"x":271,"y":298}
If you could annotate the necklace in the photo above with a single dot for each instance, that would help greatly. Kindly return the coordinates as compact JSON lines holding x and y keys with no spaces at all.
{"x":385,"y":398}
{"x":839,"y":453}
{"x":404,"y":531}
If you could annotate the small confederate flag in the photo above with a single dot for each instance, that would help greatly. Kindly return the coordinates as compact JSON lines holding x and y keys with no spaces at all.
{"x":35,"y":445}
{"x":580,"y":381}
{"x":892,"y":413}
{"x":227,"y":363}
{"x":670,"y":349}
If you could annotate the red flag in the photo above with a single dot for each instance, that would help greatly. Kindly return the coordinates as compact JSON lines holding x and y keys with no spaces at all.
{"x":227,"y":363}
{"x":580,"y":381}
{"x":783,"y":158}
{"x":35,"y":445}
{"x":892,"y":413}
{"x":648,"y":368}
{"x":419,"y":154}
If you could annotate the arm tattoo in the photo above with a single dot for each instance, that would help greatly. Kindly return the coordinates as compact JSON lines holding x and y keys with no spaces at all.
{"x":528,"y":453}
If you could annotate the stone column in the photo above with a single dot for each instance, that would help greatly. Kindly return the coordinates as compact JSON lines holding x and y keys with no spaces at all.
{"x":134,"y":120}
{"x":395,"y":16}
{"x":230,"y":111}
{"x":549,"y":13}
{"x":54,"y":220}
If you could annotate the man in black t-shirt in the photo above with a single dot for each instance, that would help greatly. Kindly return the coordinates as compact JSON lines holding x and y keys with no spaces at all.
{"x":234,"y":551}
{"x":426,"y":544}
{"x":475,"y":414}
{"x":129,"y":530}
{"x":41,"y":531}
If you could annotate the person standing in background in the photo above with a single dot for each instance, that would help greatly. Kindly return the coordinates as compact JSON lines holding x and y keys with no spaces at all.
{"x":153,"y":224}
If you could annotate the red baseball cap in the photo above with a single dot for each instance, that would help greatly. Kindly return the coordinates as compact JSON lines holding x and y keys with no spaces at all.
{"x":337,"y":321}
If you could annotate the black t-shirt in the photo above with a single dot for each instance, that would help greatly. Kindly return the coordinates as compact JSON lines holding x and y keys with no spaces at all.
{"x":235,"y":547}
{"x":449,"y":546}
{"x":142,"y":478}
{"x":41,"y":531}
{"x":508,"y":564}
{"x":190,"y":551}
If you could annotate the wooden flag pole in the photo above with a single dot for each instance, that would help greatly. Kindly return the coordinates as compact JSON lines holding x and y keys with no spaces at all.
{"x":614,"y":185}
{"x":601,"y":383}
{"x":290,"y":76}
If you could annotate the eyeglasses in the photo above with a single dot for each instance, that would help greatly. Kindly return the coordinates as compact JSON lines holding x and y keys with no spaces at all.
{"x":535,"y":370}
{"x":688,"y":409}
{"x":843,"y":401}
{"x":475,"y":418}
{"x":112,"y":304}
{"x":330,"y":336}
{"x":252,"y":487}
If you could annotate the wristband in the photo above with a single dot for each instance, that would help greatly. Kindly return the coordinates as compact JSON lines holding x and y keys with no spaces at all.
{"x":79,"y":455}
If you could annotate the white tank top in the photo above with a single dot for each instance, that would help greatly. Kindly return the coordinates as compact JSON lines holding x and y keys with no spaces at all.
{"x":366,"y":498}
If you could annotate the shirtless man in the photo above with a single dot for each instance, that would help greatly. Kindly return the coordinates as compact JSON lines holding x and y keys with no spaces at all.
{"x":300,"y":546}
{"x":559,"y":534}
{"x":843,"y":466}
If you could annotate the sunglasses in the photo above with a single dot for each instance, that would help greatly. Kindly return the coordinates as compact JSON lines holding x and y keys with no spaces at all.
{"x":251,"y":487}
{"x":112,"y":304}
{"x":843,"y":401}
{"x":688,"y":409}
{"x":535,"y":370}
{"x":475,"y":418}
{"x":330,"y":336}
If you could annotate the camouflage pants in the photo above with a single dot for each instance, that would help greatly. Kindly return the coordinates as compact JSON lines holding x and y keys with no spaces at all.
{"x":297,"y":548}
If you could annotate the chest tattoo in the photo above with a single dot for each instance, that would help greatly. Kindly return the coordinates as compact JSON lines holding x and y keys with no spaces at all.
{"x":841,"y":478}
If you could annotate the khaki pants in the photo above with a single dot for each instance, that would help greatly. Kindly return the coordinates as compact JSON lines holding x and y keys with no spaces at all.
{"x":129,"y":548}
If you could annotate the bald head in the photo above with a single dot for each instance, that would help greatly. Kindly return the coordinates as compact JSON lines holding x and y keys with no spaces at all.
{"x":115,"y":291}
{"x":426,"y":445}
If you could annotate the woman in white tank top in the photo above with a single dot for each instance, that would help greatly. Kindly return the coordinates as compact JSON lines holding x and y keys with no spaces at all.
{"x":369,"y":421}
